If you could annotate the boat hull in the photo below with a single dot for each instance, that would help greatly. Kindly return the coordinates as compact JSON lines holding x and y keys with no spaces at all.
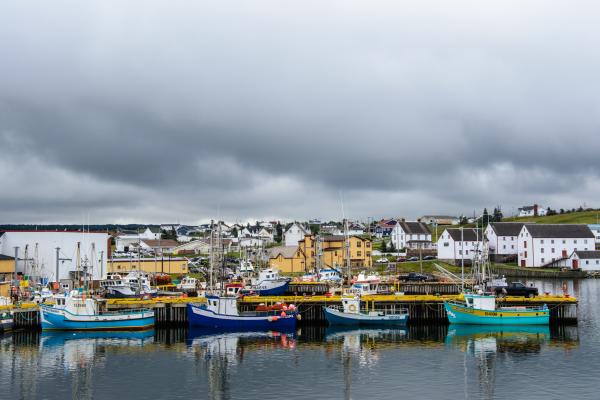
{"x":272,"y":289}
{"x":336,"y":317}
{"x":459,"y":314}
{"x":6,"y":324}
{"x":201,"y":317}
{"x":62,"y":320}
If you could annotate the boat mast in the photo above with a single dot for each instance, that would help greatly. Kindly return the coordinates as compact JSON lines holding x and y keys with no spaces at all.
{"x":78,"y":263}
{"x":210,"y":256}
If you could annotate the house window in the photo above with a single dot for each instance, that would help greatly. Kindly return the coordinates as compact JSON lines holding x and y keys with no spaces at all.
{"x":504,"y":247}
{"x":542,"y":260}
{"x":552,"y":241}
{"x":335,"y":253}
{"x":564,"y":241}
{"x":368,"y":244}
{"x":542,"y":241}
{"x":585,"y":241}
{"x":460,"y":252}
{"x":587,"y":262}
{"x":542,"y":250}
{"x":504,"y":238}
{"x":358,"y":254}
{"x":525,"y":244}
{"x":446,"y":244}
{"x":358,"y":244}
{"x":512,"y":246}
{"x":575,"y":241}
{"x":368,"y":254}
{"x":597,"y":262}
{"x":552,"y":250}
{"x":466,"y":252}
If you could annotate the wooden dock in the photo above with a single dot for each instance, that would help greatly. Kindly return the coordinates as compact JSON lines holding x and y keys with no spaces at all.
{"x":422,"y":309}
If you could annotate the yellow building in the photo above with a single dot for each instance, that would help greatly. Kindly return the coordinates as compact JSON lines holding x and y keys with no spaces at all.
{"x":332,"y":249}
{"x":172,"y":265}
{"x":7,"y":267}
{"x":287,"y":259}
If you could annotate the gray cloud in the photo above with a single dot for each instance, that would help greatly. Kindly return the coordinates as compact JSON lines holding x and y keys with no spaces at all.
{"x":156,"y":112}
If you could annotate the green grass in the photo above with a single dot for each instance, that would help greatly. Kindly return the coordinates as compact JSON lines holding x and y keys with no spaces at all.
{"x":583,"y":217}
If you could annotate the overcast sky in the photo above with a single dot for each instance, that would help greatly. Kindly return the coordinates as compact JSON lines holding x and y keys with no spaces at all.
{"x":182,"y":111}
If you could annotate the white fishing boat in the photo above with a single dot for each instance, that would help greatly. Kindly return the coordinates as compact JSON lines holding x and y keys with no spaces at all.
{"x":365,"y":284}
{"x":128,"y":286}
{"x":188,"y":285}
{"x":351,"y":314}
{"x":268,"y":283}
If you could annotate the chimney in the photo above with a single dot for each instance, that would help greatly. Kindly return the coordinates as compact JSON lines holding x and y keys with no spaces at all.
{"x":535,"y":210}
{"x":403,"y":220}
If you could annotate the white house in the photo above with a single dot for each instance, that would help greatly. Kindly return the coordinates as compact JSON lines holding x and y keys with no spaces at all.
{"x":542,"y":244}
{"x":151,"y":233}
{"x":44,"y":261}
{"x":595,"y":228}
{"x":294,"y":234}
{"x":456,"y":244}
{"x":502,"y":237}
{"x":413,"y":235}
{"x":532,"y":211}
{"x":158,"y":246}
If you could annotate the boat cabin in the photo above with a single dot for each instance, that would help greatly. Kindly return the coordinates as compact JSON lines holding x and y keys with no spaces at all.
{"x":222,"y":305}
{"x":480,"y":302}
{"x":351,"y":305}
{"x":77,"y":303}
{"x":233,"y":289}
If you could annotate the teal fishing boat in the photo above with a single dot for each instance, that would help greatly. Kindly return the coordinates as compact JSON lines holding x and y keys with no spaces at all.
{"x":480,"y":309}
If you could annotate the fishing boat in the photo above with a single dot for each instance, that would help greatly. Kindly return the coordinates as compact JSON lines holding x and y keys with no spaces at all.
{"x":329,"y":275}
{"x":220,"y":312}
{"x":365,"y":284}
{"x":268,"y":283}
{"x":480,"y":309}
{"x":117,"y":286}
{"x":350,"y":314}
{"x":6,"y":315}
{"x":188,"y":284}
{"x":78,"y":311}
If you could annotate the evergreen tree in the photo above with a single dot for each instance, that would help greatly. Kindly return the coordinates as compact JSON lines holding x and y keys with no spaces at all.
{"x":497,"y":215}
{"x":234,"y":232}
{"x":383,"y":246}
{"x":278,"y":232}
{"x":392,"y":248}
{"x":485,"y":217}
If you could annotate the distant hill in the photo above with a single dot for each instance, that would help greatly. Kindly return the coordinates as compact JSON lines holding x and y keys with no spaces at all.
{"x":582,"y":217}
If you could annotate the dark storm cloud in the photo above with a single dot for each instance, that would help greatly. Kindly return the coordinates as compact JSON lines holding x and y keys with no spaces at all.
{"x":270,"y":110}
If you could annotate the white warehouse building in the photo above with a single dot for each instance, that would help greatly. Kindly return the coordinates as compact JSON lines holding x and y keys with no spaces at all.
{"x":545,"y":244}
{"x":42,"y":255}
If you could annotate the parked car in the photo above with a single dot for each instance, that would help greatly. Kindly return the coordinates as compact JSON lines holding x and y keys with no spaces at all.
{"x":413,"y":259}
{"x":429,"y":258}
{"x":414,"y":277}
{"x":517,"y":289}
{"x":383,"y":260}
{"x":400,"y":259}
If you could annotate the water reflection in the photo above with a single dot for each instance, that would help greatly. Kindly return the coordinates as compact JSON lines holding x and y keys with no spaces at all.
{"x":485,"y":345}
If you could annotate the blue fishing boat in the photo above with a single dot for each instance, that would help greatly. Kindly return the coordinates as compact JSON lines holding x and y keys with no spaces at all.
{"x":480,"y":309}
{"x":220,"y":312}
{"x":76,"y":311}
{"x":268,"y":283}
{"x":352,"y":315}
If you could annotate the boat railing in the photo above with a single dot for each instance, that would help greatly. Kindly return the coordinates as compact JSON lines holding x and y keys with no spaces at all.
{"x":125,"y":311}
{"x":503,"y":308}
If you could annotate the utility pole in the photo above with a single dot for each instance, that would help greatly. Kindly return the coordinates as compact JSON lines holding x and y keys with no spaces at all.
{"x":58,"y":260}
{"x":101,"y":264}
{"x":16,"y":260}
{"x":462,"y":260}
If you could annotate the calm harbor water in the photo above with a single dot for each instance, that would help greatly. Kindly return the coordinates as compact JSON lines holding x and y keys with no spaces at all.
{"x":316,"y":363}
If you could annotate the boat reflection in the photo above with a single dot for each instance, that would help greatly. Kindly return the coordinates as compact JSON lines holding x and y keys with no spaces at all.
{"x":475,"y":339}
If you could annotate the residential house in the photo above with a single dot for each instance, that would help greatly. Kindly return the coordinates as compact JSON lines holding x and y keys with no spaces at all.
{"x":287,"y":259}
{"x":294,"y":234}
{"x":440,"y":220}
{"x":151,"y":232}
{"x":158,"y":246}
{"x":384,"y":228}
{"x":201,"y":246}
{"x":414,"y":235}
{"x":586,"y":260}
{"x":502,"y":238}
{"x":532,"y":211}
{"x":542,"y":244}
{"x":457,"y":244}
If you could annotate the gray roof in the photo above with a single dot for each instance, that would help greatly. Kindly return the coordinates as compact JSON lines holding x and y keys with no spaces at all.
{"x":468,"y":234}
{"x":507,"y":228}
{"x":285,"y":251}
{"x":154,"y":229}
{"x":559,"y":231}
{"x":588,"y":254}
{"x":415,"y":228}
